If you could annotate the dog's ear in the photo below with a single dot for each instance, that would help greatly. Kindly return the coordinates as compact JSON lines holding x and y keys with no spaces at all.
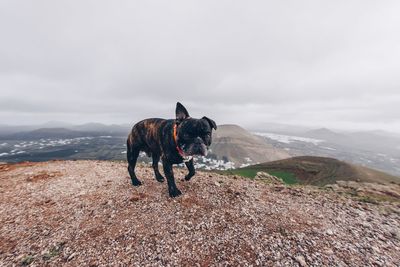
{"x":212,"y":123}
{"x":181,"y":112}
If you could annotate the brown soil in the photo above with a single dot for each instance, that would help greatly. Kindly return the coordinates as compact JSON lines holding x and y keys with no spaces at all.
{"x":5,"y":167}
{"x":86,"y":213}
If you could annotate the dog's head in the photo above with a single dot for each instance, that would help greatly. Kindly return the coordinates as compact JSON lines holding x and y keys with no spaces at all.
{"x":194,"y":135}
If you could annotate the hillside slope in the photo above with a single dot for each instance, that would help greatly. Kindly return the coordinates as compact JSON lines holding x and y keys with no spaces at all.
{"x":237,"y":144}
{"x":86,"y":213}
{"x":320,"y":171}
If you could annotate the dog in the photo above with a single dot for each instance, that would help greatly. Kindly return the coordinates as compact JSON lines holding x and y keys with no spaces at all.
{"x":174,"y":141}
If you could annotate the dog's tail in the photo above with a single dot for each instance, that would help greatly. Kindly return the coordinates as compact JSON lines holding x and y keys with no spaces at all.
{"x":129,"y":148}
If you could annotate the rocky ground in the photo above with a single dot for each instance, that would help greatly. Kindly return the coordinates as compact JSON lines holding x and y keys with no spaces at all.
{"x":76,"y":213}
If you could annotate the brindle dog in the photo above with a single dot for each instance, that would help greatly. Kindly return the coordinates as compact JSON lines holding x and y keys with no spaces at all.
{"x":174,"y":141}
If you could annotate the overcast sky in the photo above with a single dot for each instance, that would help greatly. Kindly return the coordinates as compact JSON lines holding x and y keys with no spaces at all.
{"x":316,"y":63}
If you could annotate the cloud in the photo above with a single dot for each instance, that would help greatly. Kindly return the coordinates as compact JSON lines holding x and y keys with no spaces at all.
{"x":310,"y":62}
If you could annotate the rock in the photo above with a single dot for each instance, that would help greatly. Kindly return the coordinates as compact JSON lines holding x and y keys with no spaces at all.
{"x":217,"y":184}
{"x":300,"y":259}
{"x":376,"y":249}
{"x":333,"y":187}
{"x":266,"y":177}
{"x":329,"y":232}
{"x":134,"y":198}
{"x":329,"y":252}
{"x":395,"y":233}
{"x":279,"y":187}
{"x":70,"y":257}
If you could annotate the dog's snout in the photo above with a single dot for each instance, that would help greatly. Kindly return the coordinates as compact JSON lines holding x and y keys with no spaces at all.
{"x":198,"y":141}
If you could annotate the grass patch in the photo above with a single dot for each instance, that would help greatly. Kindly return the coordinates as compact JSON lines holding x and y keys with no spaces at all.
{"x":27,"y":260}
{"x":54,"y":251}
{"x":367,"y":199}
{"x":287,"y":177}
{"x":249,"y":173}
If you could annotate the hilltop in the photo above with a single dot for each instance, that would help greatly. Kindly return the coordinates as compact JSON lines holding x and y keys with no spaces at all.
{"x":318,"y":171}
{"x":86,"y":213}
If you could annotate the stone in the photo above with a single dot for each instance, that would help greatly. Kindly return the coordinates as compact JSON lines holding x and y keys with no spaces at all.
{"x":70,"y":257}
{"x":329,"y":232}
{"x":266,"y":177}
{"x":300,"y":259}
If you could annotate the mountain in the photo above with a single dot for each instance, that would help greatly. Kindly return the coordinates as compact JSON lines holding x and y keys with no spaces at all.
{"x":55,"y":124}
{"x":318,"y":171}
{"x":86,"y":213}
{"x":273,"y":127}
{"x":45,"y":133}
{"x":382,"y":133}
{"x":235,"y":144}
{"x":326,"y":135}
{"x":11,"y":129}
{"x":378,"y":141}
{"x":113,"y":129}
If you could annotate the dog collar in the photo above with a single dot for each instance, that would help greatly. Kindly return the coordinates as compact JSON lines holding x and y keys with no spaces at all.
{"x":180,"y":151}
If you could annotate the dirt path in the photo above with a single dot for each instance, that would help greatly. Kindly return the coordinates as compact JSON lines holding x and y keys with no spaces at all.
{"x":77,"y":213}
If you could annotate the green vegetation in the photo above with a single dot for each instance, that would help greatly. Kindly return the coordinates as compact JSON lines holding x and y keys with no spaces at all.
{"x":27,"y":260}
{"x":249,"y":173}
{"x":287,"y":177}
{"x":54,"y":251}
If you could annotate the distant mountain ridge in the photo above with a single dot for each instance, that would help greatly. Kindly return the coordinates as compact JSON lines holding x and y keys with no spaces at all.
{"x":113,"y":129}
{"x":45,"y":133}
{"x":323,"y":133}
{"x":64,"y":130}
{"x":366,"y":140}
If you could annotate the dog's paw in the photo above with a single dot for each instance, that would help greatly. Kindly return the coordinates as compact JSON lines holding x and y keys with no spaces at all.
{"x":136,"y":182}
{"x":175,"y":193}
{"x":160,"y":179}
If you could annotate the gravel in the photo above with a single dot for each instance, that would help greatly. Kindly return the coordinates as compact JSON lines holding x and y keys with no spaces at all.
{"x":75,"y":213}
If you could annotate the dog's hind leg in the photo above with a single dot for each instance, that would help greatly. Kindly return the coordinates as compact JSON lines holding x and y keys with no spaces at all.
{"x":132,"y":155}
{"x":156,"y":159}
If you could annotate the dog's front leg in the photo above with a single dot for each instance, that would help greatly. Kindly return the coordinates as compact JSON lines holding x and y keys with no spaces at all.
{"x":190,"y":167}
{"x":169,"y":174}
